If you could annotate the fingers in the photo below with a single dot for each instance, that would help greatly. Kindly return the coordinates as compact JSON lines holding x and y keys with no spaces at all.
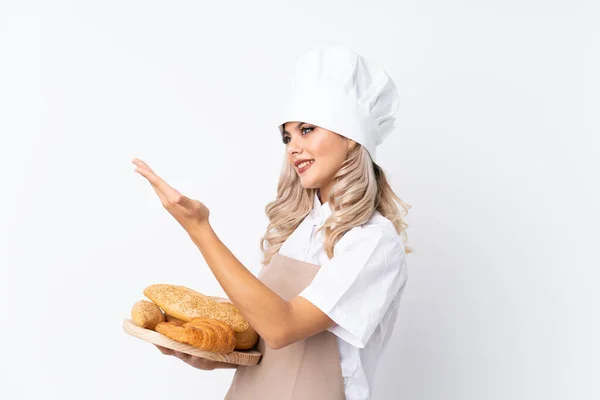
{"x":168,"y":195}
{"x":137,"y":161}
{"x":147,"y":172}
{"x":182,"y":356}
{"x":169,"y":352}
{"x":197,"y":362}
{"x":202,"y":363}
{"x":165,"y":350}
{"x":150,"y":177}
{"x":158,"y":183}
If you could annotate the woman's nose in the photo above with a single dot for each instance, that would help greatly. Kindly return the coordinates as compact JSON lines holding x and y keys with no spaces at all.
{"x":293,"y":146}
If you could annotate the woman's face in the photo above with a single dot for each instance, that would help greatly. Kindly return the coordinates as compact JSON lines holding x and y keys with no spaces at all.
{"x":326,"y":151}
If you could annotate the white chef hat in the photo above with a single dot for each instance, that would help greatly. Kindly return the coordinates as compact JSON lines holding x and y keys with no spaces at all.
{"x":337,"y":89}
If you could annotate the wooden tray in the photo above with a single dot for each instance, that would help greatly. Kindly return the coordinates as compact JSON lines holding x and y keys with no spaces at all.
{"x":239,"y":357}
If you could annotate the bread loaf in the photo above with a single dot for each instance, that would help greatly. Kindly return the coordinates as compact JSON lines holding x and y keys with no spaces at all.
{"x":186,"y":304}
{"x":146,"y":314}
{"x":247,"y":339}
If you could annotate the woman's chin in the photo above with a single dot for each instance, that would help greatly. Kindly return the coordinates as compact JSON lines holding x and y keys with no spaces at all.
{"x":308,"y":184}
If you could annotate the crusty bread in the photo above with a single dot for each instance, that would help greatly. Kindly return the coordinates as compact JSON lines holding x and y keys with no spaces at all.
{"x":244,"y":340}
{"x":186,"y":304}
{"x":203,"y":333}
{"x":146,"y":314}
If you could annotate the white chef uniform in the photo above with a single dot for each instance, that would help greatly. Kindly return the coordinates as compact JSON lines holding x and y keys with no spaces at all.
{"x":359,"y":288}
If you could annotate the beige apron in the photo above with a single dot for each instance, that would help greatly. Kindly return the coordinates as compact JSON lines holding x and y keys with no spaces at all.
{"x":309,"y":369}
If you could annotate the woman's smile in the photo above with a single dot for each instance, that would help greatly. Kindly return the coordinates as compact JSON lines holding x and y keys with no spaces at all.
{"x":305,"y":165}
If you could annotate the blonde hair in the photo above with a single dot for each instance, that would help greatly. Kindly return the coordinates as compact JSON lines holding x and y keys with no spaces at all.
{"x":360,"y":189}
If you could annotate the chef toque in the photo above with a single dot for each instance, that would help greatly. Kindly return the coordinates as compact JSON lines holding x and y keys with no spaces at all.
{"x":339,"y":90}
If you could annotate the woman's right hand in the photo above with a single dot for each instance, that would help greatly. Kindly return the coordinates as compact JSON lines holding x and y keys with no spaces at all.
{"x":196,"y":362}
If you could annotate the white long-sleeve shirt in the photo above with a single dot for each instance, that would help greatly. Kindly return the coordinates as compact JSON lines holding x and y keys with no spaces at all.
{"x":359,"y":288}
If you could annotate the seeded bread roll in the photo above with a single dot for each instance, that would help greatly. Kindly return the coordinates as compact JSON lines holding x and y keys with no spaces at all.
{"x":146,"y":314}
{"x":186,"y":304}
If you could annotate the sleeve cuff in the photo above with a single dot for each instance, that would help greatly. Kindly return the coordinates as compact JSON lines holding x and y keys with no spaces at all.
{"x":345,"y":329}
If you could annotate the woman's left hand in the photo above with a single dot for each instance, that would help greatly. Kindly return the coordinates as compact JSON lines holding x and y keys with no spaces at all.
{"x":196,"y":362}
{"x":188,"y":212}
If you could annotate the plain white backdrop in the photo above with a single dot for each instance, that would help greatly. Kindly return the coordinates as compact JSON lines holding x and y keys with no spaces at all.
{"x":496,"y":149}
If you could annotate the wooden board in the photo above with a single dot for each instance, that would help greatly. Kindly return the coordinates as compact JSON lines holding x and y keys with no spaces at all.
{"x":238,"y":357}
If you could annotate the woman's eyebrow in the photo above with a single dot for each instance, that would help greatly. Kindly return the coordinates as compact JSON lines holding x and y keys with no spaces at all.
{"x":297,"y":126}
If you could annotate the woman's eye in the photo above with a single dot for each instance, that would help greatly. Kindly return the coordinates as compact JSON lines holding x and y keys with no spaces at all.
{"x":286,"y":139}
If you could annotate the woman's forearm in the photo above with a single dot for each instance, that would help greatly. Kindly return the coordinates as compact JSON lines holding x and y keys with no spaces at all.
{"x":264,"y":309}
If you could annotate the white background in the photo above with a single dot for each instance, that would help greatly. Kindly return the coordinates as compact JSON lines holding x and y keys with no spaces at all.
{"x":495,"y":146}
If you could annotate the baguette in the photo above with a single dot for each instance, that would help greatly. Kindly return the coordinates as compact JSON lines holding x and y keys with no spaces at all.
{"x":186,"y":304}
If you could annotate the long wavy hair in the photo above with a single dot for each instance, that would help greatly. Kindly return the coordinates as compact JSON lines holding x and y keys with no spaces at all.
{"x":360,"y":189}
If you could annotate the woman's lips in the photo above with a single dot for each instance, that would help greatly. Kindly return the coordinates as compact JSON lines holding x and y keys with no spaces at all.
{"x":301,"y":170}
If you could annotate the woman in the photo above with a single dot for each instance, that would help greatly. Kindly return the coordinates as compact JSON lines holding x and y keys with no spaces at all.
{"x":326,"y":300}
